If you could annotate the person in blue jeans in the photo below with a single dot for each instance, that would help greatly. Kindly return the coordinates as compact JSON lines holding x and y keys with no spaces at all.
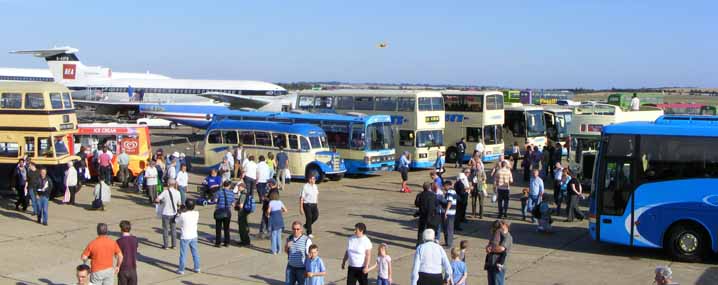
{"x":536,"y":190}
{"x":43,"y":196}
{"x":297,"y":249}
{"x":276,"y":221}
{"x":187,"y":222}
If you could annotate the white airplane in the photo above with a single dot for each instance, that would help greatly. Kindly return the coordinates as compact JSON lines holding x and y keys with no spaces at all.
{"x":117,"y":92}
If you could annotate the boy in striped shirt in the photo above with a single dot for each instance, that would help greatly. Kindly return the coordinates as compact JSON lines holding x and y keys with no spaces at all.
{"x":450,"y":213}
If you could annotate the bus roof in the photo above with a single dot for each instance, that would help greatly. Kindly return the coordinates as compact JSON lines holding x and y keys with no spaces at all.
{"x":33,"y":87}
{"x":372,"y":92}
{"x":689,"y":126}
{"x":308,"y":116}
{"x":460,"y":92}
{"x":521,"y":107}
{"x":302,"y":129}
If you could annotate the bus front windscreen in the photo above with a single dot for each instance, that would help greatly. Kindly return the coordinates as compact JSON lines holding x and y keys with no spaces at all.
{"x":318,"y":142}
{"x":429,"y":138}
{"x":381,"y":136}
{"x":562,"y":121}
{"x":535,"y":124}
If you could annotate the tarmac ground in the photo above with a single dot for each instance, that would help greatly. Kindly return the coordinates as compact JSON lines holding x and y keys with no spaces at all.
{"x":36,"y":254}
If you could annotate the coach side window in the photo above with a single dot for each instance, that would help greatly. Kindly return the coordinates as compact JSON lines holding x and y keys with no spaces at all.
{"x":304,"y":142}
{"x":345,"y":103}
{"x":385,"y":104}
{"x":11,"y":101}
{"x":263,"y":138}
{"x":671,"y":157}
{"x":34,"y":101}
{"x":214,"y":137}
{"x":247,"y":137}
{"x":406,"y":104}
{"x":293,"y":142}
{"x":229,"y":137}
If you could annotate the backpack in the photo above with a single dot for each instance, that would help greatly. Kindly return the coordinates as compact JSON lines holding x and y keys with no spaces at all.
{"x":249,"y":206}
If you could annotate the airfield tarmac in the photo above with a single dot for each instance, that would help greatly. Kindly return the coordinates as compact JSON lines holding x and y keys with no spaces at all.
{"x":36,"y":254}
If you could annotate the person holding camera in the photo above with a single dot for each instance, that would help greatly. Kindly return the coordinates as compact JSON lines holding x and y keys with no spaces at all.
{"x":169,"y":201}
{"x":187,"y":222}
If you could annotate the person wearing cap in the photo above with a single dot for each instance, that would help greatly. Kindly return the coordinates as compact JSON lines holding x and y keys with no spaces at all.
{"x":430,"y":261}
{"x":403,"y":168}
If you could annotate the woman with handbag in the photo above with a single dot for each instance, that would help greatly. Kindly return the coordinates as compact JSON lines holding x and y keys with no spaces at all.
{"x":223,"y":213}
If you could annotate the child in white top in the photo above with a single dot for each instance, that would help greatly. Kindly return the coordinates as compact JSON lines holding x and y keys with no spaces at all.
{"x":383,"y":265}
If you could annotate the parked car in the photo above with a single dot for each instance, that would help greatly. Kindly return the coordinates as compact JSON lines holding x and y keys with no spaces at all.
{"x":157,"y":123}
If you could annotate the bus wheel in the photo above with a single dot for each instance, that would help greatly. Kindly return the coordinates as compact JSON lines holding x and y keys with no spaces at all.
{"x":313,"y":170}
{"x":687,"y":242}
{"x":451,"y":155}
{"x":173,"y":125}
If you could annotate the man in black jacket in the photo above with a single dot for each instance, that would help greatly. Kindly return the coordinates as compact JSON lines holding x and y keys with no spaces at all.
{"x":426,"y":202}
{"x":43,"y":192}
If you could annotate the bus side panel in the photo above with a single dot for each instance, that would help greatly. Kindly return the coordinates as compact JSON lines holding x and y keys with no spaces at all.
{"x":661,"y":204}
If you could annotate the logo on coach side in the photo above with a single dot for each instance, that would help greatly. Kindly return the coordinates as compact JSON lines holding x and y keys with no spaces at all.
{"x":68,"y":71}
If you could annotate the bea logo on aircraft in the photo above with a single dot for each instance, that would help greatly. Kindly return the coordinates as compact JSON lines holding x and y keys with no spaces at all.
{"x":68,"y":71}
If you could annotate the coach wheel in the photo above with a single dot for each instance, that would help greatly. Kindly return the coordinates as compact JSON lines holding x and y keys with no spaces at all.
{"x":173,"y":125}
{"x":451,"y":155}
{"x":205,"y":203}
{"x":687,"y":243}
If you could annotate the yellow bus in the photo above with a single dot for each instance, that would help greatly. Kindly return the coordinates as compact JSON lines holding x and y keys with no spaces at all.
{"x":477,"y":116}
{"x":417,"y":115}
{"x":36,"y":121}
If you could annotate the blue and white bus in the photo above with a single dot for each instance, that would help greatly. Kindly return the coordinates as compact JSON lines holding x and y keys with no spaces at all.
{"x":366,"y":143}
{"x":306,"y":145}
{"x":655,"y":184}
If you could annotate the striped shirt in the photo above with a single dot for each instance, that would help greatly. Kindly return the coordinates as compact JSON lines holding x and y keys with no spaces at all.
{"x":452,"y":198}
{"x":298,"y":250}
{"x":503,"y":178}
{"x":220,"y":196}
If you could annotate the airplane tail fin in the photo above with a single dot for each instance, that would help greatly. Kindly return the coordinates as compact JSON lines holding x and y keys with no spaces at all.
{"x":65,"y":66}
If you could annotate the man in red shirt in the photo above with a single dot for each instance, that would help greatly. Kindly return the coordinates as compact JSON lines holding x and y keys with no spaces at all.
{"x":101,"y":251}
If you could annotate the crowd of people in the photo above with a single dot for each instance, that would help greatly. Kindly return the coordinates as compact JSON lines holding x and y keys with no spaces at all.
{"x":442,"y":209}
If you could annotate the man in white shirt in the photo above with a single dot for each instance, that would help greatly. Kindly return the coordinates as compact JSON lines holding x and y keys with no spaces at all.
{"x":169,"y":201}
{"x":358,"y":254}
{"x":429,"y":261}
{"x":308,"y":199}
{"x":238,"y":160}
{"x":250,"y":175}
{"x":263,"y":191}
{"x":151,"y":180}
{"x":230,"y":158}
{"x":182,"y":182}
{"x":187,"y":222}
{"x":479,"y":148}
{"x":635,"y":103}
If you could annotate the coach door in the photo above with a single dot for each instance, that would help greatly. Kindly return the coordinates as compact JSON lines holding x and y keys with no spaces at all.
{"x":616,"y":185}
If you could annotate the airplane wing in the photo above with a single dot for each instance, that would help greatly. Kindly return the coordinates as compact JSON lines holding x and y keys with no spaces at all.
{"x":46,"y":52}
{"x":237,"y":102}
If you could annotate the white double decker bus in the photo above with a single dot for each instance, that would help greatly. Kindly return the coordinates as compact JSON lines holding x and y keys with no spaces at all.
{"x":524,"y":124}
{"x":477,"y":116}
{"x":417,"y":115}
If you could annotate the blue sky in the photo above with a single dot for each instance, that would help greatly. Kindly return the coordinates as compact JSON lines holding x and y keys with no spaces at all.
{"x":526,"y":44}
